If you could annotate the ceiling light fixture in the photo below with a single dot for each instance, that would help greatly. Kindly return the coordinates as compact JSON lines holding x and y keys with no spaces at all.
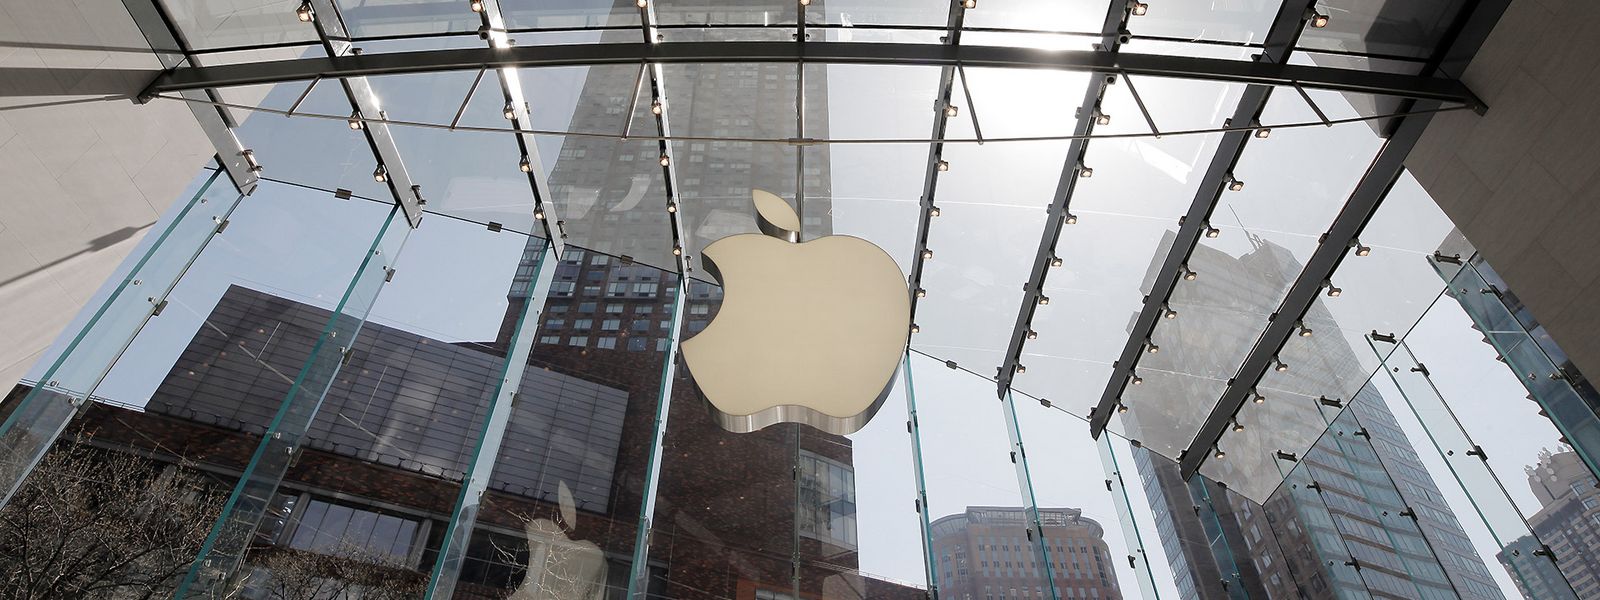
{"x":1188,"y":275}
{"x":526,"y":165}
{"x":1139,"y":9}
{"x":1234,"y":184}
{"x":672,"y":207}
{"x":1317,"y":20}
{"x":1333,"y":292}
{"x":1237,"y":426}
{"x":922,"y":293}
{"x":933,"y":211}
{"x":915,"y":328}
{"x":1212,"y":232}
{"x":1279,"y":366}
{"x":1168,"y":312}
{"x":1360,"y":249}
{"x":1152,"y":348}
{"x":643,"y":3}
{"x":1257,"y":398}
{"x":355,"y":120}
{"x":927,"y":254}
{"x":1304,"y":331}
{"x":475,"y":5}
{"x":944,"y":165}
{"x":509,"y":111}
{"x":657,"y":107}
{"x":1122,"y":408}
{"x":1136,"y":380}
{"x":1264,"y":133}
{"x":666,"y":160}
{"x":1021,"y":369}
{"x":969,"y":3}
{"x":304,"y":12}
{"x":1055,"y":261}
{"x":380,"y":174}
{"x":1043,"y":300}
{"x":677,"y":250}
{"x":951,"y":110}
{"x":1072,"y":219}
{"x":1220,"y":454}
{"x":1084,"y":171}
{"x":1032,"y":335}
{"x":538,"y":213}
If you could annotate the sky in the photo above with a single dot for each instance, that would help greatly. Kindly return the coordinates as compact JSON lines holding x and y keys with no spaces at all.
{"x":452,"y":276}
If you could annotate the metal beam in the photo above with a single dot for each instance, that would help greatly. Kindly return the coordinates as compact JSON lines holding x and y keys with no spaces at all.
{"x":431,"y":61}
{"x":1281,"y":40}
{"x":364,"y":103}
{"x":163,"y":37}
{"x":930,"y":175}
{"x":1056,"y":213}
{"x":1471,"y":29}
{"x":544,"y":209}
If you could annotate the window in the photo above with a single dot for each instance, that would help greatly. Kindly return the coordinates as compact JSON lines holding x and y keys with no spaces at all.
{"x":327,"y":528}
{"x":591,"y":290}
{"x":600,"y":260}
{"x":557,"y":309}
{"x":611,"y":325}
{"x":616,"y":289}
{"x":578,"y":340}
{"x":586,"y":307}
{"x":614,"y":307}
{"x":641,"y":325}
{"x":699,"y":309}
{"x":645,"y":289}
{"x":638,"y":344}
{"x":550,"y":339}
{"x":606,"y":343}
{"x":562,"y":288}
{"x":643,"y":309}
{"x":661,"y":344}
{"x":827,"y":505}
{"x":582,"y":324}
{"x":555,"y":323}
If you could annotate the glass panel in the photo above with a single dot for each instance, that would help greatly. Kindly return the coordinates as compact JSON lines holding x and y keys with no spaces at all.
{"x":532,"y":14}
{"x":1071,"y":15}
{"x":1245,"y":22}
{"x":755,"y":12}
{"x":343,"y":158}
{"x":403,"y":17}
{"x":285,"y":434}
{"x":1411,"y":30}
{"x":209,"y":24}
{"x":853,"y":13}
{"x":81,"y":361}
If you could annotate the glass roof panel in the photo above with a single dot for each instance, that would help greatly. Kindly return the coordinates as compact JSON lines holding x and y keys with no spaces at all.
{"x":1012,"y":103}
{"x":532,"y":14}
{"x":343,"y":158}
{"x":1211,"y":21}
{"x":227,"y":23}
{"x":1167,"y":408}
{"x":1077,"y":16}
{"x":984,"y":242}
{"x":1404,"y":29}
{"x":1219,"y":51}
{"x":371,"y":18}
{"x":692,"y":12}
{"x":926,"y":13}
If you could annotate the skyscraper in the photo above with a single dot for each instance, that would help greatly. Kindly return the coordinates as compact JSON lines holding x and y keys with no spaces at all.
{"x":1568,"y":525}
{"x":986,"y":553}
{"x":1358,"y":513}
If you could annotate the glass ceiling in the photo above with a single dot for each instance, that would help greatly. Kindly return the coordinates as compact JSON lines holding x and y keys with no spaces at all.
{"x":868,"y":175}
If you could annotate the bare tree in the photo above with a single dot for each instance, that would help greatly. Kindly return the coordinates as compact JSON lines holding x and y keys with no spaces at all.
{"x":92,"y":523}
{"x":349,"y":573}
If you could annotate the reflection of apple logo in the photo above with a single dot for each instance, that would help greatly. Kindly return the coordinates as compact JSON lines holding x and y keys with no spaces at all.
{"x":808,"y":332}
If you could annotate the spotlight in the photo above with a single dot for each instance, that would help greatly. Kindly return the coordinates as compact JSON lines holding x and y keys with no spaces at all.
{"x":1072,"y":219}
{"x":1139,"y":9}
{"x":476,"y":5}
{"x":304,"y":12}
{"x":1258,"y":398}
{"x":1169,"y":313}
{"x":1212,"y":232}
{"x":355,"y":120}
{"x":526,"y":165}
{"x":510,"y":111}
{"x":672,"y":207}
{"x":1234,"y":185}
{"x":915,"y":328}
{"x":1033,"y":335}
{"x":1237,"y":427}
{"x":1152,"y":348}
{"x":1316,"y":19}
{"x":1189,"y":275}
{"x":1101,"y":118}
{"x":656,"y":107}
{"x":1043,"y":300}
{"x":951,"y":110}
{"x":677,"y":250}
{"x":969,"y":3}
{"x":933,"y":211}
{"x":538,"y":213}
{"x":1137,"y":380}
{"x":1220,"y":454}
{"x":666,"y":160}
{"x":1333,"y":292}
{"x":1021,"y":369}
{"x":1277,"y":365}
{"x":805,"y":2}
{"x":927,"y":254}
{"x":1122,"y":408}
{"x":922,"y":293}
{"x":944,"y":165}
{"x":1360,"y":249}
{"x":1304,"y":331}
{"x":1085,"y":172}
{"x":380,"y":174}
{"x":1055,"y":261}
{"x":1264,"y":133}
{"x":643,"y":3}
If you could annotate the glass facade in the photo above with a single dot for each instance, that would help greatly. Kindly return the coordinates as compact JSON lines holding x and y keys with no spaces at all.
{"x":341,"y":388}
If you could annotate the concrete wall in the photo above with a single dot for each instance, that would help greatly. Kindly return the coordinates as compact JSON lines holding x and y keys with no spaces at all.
{"x":82,"y":177}
{"x":1523,"y":181}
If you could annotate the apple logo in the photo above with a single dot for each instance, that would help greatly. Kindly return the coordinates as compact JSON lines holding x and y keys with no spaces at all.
{"x":808,"y":332}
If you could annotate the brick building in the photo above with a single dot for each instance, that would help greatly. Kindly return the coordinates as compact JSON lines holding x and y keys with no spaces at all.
{"x":985,"y":553}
